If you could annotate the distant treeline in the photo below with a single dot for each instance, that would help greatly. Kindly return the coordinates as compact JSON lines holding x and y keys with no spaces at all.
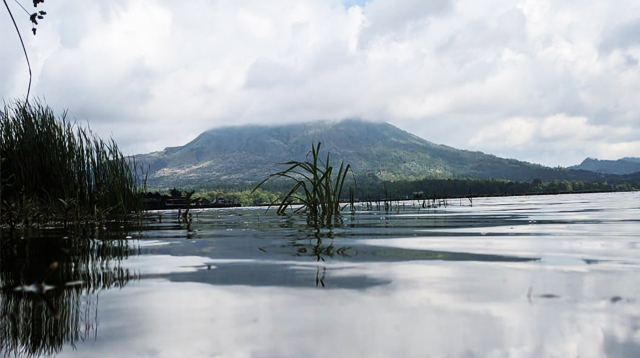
{"x":369,"y":188}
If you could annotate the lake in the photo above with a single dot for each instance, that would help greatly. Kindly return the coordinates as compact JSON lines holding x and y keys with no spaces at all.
{"x":528,"y":276}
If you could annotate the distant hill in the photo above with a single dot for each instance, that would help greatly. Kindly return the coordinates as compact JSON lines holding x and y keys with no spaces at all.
{"x":622,"y":166}
{"x":244,"y":155}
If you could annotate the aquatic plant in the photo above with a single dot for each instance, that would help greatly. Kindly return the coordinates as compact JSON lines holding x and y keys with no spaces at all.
{"x":53,"y":169}
{"x":186,"y":216}
{"x":316,"y":186}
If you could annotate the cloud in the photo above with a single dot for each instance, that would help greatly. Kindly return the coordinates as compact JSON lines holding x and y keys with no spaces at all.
{"x":618,"y":150}
{"x":558,"y":136}
{"x":512,"y":133}
{"x":395,"y":20}
{"x":156,"y":73}
{"x":621,"y":37}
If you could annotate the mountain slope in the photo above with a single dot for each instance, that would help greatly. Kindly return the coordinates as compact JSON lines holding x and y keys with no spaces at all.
{"x":245,"y":155}
{"x":620,"y":166}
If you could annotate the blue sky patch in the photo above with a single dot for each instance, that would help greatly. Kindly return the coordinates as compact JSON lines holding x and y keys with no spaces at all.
{"x":350,"y":3}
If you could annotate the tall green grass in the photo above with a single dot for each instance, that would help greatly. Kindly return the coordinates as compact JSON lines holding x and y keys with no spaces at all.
{"x":316,"y":185}
{"x":53,"y":169}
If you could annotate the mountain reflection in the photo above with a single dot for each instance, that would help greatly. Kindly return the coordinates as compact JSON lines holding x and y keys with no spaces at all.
{"x":50,"y":289}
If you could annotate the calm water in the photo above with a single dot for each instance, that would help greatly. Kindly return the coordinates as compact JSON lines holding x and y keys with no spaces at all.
{"x":547,"y":276}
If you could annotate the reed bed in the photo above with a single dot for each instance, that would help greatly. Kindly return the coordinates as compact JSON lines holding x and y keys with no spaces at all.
{"x":316,"y":186}
{"x":54,"y":169}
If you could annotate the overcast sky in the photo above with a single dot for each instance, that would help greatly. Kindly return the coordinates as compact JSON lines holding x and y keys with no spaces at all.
{"x":550,"y":82}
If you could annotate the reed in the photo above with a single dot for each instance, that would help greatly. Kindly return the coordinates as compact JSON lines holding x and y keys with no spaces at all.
{"x":61,"y":168}
{"x":317,"y":186}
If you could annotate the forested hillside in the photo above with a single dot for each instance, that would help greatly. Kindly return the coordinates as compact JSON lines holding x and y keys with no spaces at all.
{"x":242,"y":156}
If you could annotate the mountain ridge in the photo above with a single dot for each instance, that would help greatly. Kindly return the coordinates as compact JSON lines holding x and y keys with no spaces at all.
{"x":626,"y":165}
{"x":244,"y":155}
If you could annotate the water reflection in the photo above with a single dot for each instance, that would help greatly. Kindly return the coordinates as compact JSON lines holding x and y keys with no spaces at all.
{"x":50,"y":289}
{"x":513,"y":277}
{"x":319,"y":250}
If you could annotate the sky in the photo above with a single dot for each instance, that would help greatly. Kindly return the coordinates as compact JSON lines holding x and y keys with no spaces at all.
{"x":549,"y":82}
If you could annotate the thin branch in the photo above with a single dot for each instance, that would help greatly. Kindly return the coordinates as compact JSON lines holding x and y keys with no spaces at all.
{"x":25,"y":10}
{"x":23,"y":48}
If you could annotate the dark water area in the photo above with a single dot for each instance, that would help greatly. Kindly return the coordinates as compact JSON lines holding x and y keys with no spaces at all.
{"x":551,"y":276}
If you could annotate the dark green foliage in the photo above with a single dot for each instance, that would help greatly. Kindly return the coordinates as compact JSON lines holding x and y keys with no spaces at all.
{"x":370,"y":188}
{"x":235,"y":156}
{"x":315,"y":187}
{"x":245,"y":197}
{"x":52,"y":169}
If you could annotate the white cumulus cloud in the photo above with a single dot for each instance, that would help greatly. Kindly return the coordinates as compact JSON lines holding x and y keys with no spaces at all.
{"x":539,"y":80}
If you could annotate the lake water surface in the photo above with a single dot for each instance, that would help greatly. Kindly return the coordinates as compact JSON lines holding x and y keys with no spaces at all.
{"x":536,"y":276}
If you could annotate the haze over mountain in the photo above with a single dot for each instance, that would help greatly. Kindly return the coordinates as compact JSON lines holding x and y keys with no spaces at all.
{"x":247,"y":154}
{"x":626,"y":165}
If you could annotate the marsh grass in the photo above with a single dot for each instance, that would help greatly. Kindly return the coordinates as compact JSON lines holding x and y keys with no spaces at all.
{"x":54,"y":169}
{"x":317,"y":186}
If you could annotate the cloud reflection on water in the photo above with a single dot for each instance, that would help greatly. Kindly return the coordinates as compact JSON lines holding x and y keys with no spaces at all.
{"x":452,"y":282}
{"x":440,"y":309}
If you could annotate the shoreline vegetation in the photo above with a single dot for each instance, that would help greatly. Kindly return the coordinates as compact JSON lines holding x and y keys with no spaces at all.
{"x":428,"y":189}
{"x":55,"y":172}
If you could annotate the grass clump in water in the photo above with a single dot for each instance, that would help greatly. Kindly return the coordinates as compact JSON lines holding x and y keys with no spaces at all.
{"x":316,"y":186}
{"x":55,"y":170}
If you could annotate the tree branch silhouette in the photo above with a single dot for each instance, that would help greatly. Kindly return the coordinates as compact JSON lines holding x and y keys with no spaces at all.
{"x":24,"y":49}
{"x":38,"y":15}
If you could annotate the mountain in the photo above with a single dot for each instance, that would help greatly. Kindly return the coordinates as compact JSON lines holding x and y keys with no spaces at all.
{"x":626,"y":165}
{"x":244,"y":155}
